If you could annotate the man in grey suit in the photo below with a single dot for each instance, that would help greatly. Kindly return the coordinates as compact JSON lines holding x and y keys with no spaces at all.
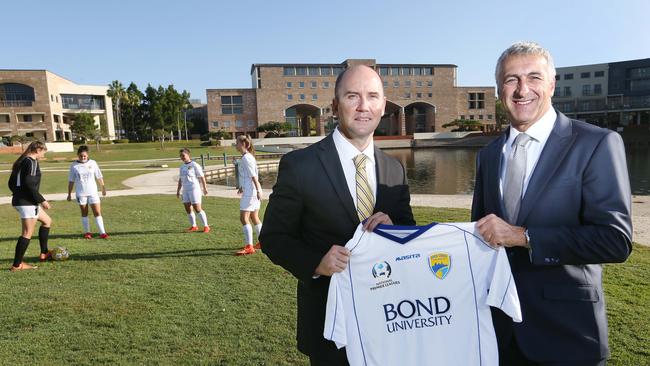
{"x":322,"y":194}
{"x":555,"y":193}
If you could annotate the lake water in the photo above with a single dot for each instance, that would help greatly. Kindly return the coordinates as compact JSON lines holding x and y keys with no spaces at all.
{"x":451,"y":170}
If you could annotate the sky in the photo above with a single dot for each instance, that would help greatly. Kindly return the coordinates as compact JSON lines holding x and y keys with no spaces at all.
{"x":197,"y":45}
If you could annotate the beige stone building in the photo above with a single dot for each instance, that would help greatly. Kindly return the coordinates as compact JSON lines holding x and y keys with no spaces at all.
{"x":43,"y":105}
{"x":421,"y":98}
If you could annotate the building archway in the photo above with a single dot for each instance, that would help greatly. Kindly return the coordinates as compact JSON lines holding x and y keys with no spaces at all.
{"x":303,"y":118}
{"x":420,"y":117}
{"x":389,"y":124}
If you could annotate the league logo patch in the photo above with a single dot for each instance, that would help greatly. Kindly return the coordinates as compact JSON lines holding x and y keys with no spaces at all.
{"x":381,"y":269}
{"x":440,"y":263}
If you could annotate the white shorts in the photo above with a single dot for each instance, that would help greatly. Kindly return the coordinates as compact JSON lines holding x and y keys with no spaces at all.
{"x":249,"y":203}
{"x":193,"y":196}
{"x":27,"y":212}
{"x":84,"y":200}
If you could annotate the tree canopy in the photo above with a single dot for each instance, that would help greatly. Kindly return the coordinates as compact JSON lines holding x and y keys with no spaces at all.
{"x":157,"y":108}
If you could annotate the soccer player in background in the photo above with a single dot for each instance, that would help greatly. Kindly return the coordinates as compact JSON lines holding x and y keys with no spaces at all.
{"x":192,"y":181}
{"x":24,"y":182}
{"x":251,"y":194}
{"x":84,"y":175}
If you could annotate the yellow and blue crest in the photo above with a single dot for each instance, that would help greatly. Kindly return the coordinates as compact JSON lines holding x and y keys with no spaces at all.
{"x":440,"y":263}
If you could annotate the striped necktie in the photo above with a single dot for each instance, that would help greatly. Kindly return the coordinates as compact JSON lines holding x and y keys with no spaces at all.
{"x":365,"y":198}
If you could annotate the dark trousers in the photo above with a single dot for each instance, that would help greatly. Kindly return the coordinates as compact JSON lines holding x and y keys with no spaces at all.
{"x":319,"y":362}
{"x":512,"y":356}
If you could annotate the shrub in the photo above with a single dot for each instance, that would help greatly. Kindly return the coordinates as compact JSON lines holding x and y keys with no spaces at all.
{"x":211,"y":143}
{"x":121,"y":141}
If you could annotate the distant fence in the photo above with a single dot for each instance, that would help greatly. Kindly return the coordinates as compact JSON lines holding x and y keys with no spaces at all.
{"x":213,"y":175}
{"x":224,"y":157}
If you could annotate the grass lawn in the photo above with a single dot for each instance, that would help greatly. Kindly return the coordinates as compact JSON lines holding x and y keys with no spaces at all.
{"x":157,"y":296}
{"x":57,"y":182}
{"x":137,"y":150}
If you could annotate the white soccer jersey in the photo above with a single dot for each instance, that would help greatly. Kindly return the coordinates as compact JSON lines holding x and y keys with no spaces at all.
{"x":84,"y":175}
{"x":420,"y":295}
{"x":189,"y":175}
{"x":247,"y":170}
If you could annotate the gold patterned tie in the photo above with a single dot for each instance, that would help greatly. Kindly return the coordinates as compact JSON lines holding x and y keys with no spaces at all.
{"x":365,"y":198}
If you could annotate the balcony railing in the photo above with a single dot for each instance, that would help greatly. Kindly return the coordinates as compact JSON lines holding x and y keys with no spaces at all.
{"x":602,"y":105}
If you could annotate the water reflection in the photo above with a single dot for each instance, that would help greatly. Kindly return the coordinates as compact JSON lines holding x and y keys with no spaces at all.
{"x":451,"y":170}
{"x":438,"y":171}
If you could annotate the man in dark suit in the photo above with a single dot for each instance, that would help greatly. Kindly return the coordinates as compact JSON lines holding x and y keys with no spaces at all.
{"x":321,"y":196}
{"x":555,"y":193}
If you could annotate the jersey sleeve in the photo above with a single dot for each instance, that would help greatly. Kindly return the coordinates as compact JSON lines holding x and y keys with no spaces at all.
{"x":250,"y":166}
{"x":199,"y":170}
{"x":503,"y":292}
{"x":98,"y":172}
{"x":29,"y":169}
{"x":334,"y":329}
{"x":71,"y":173}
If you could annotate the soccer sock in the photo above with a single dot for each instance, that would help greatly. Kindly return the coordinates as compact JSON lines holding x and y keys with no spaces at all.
{"x":192,"y":218}
{"x":86,"y":224}
{"x":100,"y":224}
{"x":203,"y":217}
{"x":21,"y":248}
{"x":258,"y":230}
{"x":248,"y":234}
{"x":43,"y":236}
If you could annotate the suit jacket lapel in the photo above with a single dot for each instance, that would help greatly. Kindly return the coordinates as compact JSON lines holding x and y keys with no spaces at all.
{"x":331,"y":163}
{"x":380,"y":169}
{"x":493,"y":170}
{"x":556,"y":148}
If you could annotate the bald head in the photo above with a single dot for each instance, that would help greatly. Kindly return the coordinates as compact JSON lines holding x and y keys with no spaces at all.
{"x":358,"y":104}
{"x":364,"y":71}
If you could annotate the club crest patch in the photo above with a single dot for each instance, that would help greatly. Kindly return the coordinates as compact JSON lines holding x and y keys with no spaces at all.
{"x":440,"y":263}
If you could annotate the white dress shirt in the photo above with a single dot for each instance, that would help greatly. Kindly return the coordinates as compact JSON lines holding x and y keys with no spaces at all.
{"x":539,"y":133}
{"x":347,"y":152}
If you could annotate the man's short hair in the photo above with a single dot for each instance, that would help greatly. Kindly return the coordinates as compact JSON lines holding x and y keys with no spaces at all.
{"x":524,"y":48}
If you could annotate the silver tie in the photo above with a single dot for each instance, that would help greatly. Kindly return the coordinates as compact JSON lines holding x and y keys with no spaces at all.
{"x":514,"y":182}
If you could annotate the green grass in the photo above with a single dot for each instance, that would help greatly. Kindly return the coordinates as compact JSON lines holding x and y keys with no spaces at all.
{"x":136,"y":151}
{"x":57,"y":182}
{"x":153,"y":295}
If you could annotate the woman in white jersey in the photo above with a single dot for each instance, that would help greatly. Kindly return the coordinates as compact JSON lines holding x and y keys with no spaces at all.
{"x":251,"y":194}
{"x":192,"y":181}
{"x":84,"y":175}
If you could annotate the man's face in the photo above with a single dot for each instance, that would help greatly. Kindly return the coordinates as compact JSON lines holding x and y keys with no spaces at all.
{"x":360,"y":103}
{"x":525,"y":89}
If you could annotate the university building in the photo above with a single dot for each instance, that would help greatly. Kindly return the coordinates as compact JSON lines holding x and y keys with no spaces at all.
{"x":615,"y":95}
{"x":43,"y":105}
{"x":420,"y":98}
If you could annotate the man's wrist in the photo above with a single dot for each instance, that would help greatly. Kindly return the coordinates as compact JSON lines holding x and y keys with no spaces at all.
{"x":526,"y":239}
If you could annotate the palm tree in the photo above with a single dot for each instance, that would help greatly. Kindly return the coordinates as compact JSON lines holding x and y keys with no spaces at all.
{"x":117,"y":93}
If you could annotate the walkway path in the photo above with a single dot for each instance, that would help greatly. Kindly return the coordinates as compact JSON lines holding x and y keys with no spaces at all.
{"x":164,"y":182}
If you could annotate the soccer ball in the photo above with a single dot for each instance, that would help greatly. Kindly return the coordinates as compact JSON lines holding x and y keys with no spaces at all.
{"x":381,"y":269}
{"x":60,"y":253}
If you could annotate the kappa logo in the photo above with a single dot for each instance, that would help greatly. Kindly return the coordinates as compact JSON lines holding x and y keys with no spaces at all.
{"x":440,"y":263}
{"x":381,"y":269}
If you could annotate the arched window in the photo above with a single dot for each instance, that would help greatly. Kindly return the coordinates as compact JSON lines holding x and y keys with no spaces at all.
{"x":16,"y":95}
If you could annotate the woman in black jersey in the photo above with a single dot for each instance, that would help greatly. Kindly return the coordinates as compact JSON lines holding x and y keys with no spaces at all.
{"x":24,"y":183}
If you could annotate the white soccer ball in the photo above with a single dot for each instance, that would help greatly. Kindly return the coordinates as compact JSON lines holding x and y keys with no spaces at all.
{"x":60,"y":253}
